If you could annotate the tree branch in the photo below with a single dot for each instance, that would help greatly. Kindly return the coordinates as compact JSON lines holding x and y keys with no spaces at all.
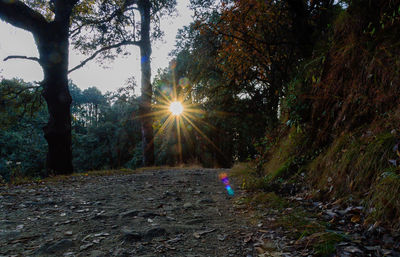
{"x":22,"y":16}
{"x":21,"y":57}
{"x":137,"y":43}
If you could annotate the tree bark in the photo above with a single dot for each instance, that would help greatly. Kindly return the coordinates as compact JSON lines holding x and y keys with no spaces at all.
{"x":146,"y":88}
{"x":53,"y":50}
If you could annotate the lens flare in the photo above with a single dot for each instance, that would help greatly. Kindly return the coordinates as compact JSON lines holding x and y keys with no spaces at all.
{"x":176,"y":108}
{"x":224,"y":179}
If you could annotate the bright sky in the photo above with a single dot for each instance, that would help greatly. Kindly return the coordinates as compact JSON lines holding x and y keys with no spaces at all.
{"x":14,"y":41}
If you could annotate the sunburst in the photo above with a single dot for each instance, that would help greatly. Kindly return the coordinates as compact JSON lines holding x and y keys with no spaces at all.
{"x":177,"y":108}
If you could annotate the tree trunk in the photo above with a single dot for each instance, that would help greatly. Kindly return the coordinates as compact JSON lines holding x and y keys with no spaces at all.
{"x":146,"y":88}
{"x":53,"y":50}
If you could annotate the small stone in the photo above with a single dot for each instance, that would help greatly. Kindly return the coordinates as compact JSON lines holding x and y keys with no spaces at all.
{"x":149,"y":215}
{"x":187,"y":205}
{"x":86,"y":246}
{"x":221,"y":237}
{"x":60,"y":245}
{"x":155,"y":232}
{"x":131,"y":213}
{"x":205,"y":201}
{"x":97,"y":253}
{"x":195,"y":221}
{"x":352,"y":249}
{"x":9,"y":234}
{"x":130,"y":235}
{"x":68,"y":233}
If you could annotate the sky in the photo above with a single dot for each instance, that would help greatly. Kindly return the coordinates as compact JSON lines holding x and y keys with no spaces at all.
{"x":14,"y":41}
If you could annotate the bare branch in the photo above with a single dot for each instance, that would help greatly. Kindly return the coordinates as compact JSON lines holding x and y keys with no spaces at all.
{"x":123,"y":43}
{"x":22,"y":16}
{"x":21,"y":57}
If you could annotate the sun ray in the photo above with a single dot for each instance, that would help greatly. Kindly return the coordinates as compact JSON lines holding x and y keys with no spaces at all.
{"x":200,"y":121}
{"x":153,"y":114}
{"x":186,"y":132}
{"x":178,"y":128}
{"x":169,"y":121}
{"x":202,"y":133}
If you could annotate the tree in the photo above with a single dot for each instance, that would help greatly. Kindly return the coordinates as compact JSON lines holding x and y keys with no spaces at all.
{"x":263,"y":42}
{"x":146,"y":89}
{"x":52,"y":24}
{"x":119,"y":28}
{"x":52,"y":40}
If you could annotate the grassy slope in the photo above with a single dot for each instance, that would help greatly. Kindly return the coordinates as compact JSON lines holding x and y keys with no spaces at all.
{"x":344,"y":142}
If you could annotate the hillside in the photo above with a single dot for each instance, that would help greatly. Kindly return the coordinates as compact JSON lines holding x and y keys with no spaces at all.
{"x":341,"y":117}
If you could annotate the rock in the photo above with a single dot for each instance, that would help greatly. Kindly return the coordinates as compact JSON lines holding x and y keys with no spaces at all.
{"x":130,"y":235}
{"x":352,"y":249}
{"x":205,"y":201}
{"x":331,"y":214}
{"x":155,"y":232}
{"x":58,"y":246}
{"x":187,"y":205}
{"x":198,"y":234}
{"x":9,"y":234}
{"x":86,"y":246}
{"x":97,"y":253}
{"x":149,"y":215}
{"x":195,"y":221}
{"x":131,"y":213}
{"x":221,"y":237}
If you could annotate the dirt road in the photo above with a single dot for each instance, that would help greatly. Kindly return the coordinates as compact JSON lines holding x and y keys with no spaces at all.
{"x":153,"y":213}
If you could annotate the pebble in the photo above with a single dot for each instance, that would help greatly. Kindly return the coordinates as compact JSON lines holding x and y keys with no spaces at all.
{"x":155,"y":232}
{"x":187,"y":205}
{"x":131,"y":213}
{"x":205,"y":201}
{"x":130,"y":235}
{"x":58,"y":246}
{"x":9,"y":234}
{"x":97,"y":253}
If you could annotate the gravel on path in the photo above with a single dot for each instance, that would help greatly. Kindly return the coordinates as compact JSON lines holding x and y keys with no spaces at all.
{"x":153,"y":213}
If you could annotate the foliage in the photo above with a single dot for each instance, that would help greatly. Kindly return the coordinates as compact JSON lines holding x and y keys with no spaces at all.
{"x":343,"y":101}
{"x":22,"y":117}
{"x":104,"y":126}
{"x":105,"y":131}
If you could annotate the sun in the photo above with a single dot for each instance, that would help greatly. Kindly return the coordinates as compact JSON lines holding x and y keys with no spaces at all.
{"x":176,"y":108}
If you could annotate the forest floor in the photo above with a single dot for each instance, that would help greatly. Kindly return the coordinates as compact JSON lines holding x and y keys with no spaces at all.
{"x":177,"y":212}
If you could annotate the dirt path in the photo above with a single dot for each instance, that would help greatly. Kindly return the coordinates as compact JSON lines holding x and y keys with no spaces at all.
{"x":154,"y":213}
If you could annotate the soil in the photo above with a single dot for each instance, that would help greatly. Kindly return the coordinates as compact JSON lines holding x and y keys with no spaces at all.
{"x":153,"y":213}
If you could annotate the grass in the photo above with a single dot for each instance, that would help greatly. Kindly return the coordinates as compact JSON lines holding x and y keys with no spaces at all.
{"x":352,"y":162}
{"x":325,"y":242}
{"x":302,"y":226}
{"x":385,"y":199}
{"x":309,"y":232}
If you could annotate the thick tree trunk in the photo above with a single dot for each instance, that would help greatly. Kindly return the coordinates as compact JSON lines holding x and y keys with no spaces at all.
{"x":53,"y":50}
{"x":146,"y":88}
